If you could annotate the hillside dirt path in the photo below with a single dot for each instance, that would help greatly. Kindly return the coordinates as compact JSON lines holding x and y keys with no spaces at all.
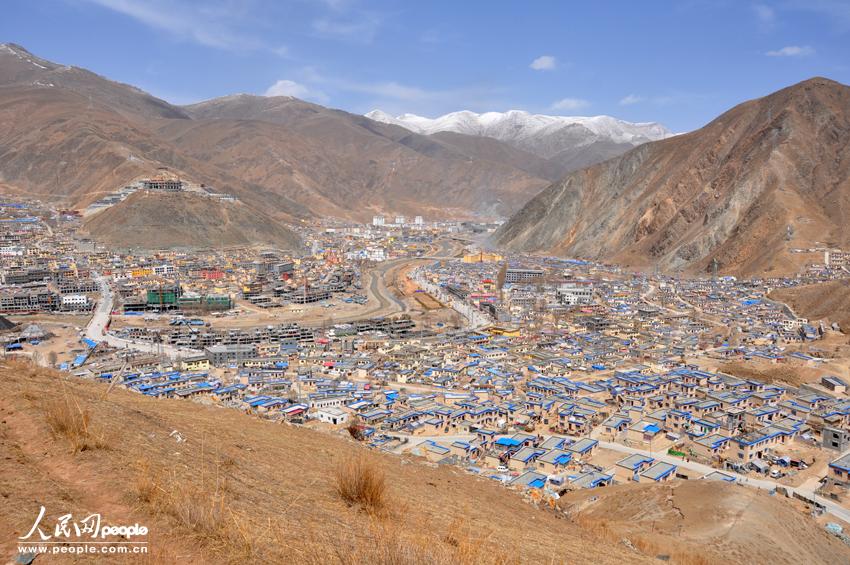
{"x":37,"y":470}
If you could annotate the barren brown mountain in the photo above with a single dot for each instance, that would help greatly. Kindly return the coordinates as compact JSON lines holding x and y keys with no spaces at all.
{"x":67,"y":132}
{"x":187,"y":220}
{"x":333,"y":162}
{"x":766,"y":176}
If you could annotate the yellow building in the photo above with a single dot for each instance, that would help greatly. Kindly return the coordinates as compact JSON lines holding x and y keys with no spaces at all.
{"x":268,"y":349}
{"x":196,"y":363}
{"x":482,"y":257}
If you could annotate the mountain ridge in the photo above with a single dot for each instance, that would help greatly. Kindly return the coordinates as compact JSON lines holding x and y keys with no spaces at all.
{"x":292,"y":158}
{"x":570,"y":142}
{"x":767,"y":174}
{"x":465,"y":119}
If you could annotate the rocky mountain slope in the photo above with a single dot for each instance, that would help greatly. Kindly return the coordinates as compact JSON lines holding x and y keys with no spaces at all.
{"x":348,"y":165}
{"x":66,"y":132}
{"x":20,"y":67}
{"x":768,"y":175}
{"x":72,"y":136}
{"x":566,"y":142}
{"x":185,"y":220}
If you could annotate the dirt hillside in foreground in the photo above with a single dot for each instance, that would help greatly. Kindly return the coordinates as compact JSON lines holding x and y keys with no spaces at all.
{"x":240,"y":489}
{"x":712,"y":521}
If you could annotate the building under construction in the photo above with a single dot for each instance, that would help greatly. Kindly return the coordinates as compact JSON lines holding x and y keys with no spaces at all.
{"x":308,"y":295}
{"x":163,"y":185}
{"x":201,"y":338}
{"x":29,"y":301}
{"x":396,"y":327}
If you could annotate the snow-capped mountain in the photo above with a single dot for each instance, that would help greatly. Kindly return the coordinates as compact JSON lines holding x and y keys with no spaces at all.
{"x":550,"y":137}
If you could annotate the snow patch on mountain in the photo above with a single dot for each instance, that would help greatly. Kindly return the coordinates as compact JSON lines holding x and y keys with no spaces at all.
{"x":544,"y":135}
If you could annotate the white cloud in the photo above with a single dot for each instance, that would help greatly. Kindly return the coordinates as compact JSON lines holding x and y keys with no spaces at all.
{"x":792,"y":51}
{"x":631,"y":99}
{"x":766,"y":16}
{"x":207,"y":27}
{"x":384,"y":89}
{"x":390,"y":89}
{"x":570,"y":104}
{"x":361,"y":29}
{"x":285,"y":87}
{"x":543,"y":63}
{"x":398,"y":98}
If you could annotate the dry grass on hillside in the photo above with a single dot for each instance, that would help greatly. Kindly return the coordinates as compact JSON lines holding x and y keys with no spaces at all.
{"x":200,"y":510}
{"x":770,"y":373}
{"x":361,"y":482}
{"x":615,"y":533}
{"x":240,"y":490}
{"x":68,"y":419}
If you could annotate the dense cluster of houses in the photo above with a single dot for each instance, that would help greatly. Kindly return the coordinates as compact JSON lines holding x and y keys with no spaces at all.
{"x":40,"y":268}
{"x":525,"y":407}
{"x":565,"y":355}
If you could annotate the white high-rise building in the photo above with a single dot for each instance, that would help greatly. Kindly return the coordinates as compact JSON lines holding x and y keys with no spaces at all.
{"x":418,"y":220}
{"x":400,"y":220}
{"x":378,"y":220}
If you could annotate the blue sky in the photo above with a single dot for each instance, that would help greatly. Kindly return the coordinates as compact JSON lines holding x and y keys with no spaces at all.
{"x":680,"y":63}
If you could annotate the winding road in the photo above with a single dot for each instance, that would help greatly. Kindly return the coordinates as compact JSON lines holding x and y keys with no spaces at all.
{"x":96,"y":328}
{"x":388,"y":304}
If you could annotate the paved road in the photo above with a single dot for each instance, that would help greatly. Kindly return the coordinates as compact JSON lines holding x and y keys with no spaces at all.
{"x":96,"y":328}
{"x":388,"y":304}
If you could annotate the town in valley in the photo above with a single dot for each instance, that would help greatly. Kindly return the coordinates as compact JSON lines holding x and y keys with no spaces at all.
{"x":436,"y":283}
{"x":543,"y":374}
